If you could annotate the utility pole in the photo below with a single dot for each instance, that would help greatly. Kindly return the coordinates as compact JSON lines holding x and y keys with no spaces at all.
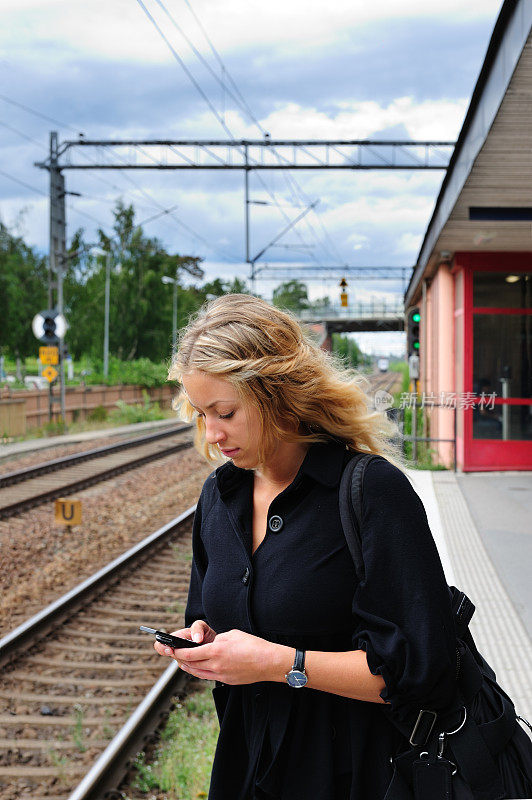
{"x":57,"y":254}
{"x":246,"y":179}
{"x":106,"y":323}
{"x":57,"y":218}
{"x":193,"y":270}
{"x":174,"y":314}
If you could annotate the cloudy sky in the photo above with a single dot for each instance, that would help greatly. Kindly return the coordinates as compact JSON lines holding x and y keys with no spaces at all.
{"x":402,"y":69}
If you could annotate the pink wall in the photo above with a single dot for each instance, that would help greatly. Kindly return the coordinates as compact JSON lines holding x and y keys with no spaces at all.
{"x":438,"y":357}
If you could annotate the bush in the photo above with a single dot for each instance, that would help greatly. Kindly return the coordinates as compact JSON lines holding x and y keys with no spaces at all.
{"x":56,"y":428}
{"x":125,"y":414}
{"x":141,"y":372}
{"x":98,"y":414}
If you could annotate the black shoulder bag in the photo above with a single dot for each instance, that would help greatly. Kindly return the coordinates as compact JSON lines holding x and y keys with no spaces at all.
{"x":450,"y":756}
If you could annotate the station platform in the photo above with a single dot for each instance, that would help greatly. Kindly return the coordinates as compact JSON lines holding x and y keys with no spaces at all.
{"x":32,"y":445}
{"x":481,"y":525}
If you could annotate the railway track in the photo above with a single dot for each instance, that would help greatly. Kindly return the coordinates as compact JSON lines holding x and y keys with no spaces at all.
{"x":385,"y":381}
{"x":81,"y":687}
{"x":32,"y":486}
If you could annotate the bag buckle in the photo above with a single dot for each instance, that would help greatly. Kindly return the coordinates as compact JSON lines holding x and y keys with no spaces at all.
{"x":423,"y":728}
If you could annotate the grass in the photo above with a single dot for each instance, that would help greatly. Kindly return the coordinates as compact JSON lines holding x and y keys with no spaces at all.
{"x":181,"y":552}
{"x":77,"y":729}
{"x":108,"y":730}
{"x":59,"y":762}
{"x":140,"y":371}
{"x":182,"y":761}
{"x":177,"y":607}
{"x":426,"y":453}
{"x":58,"y":427}
{"x":125,"y":414}
{"x":402,"y":367}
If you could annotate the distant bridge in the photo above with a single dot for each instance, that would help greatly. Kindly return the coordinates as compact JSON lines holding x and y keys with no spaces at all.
{"x":374,"y":316}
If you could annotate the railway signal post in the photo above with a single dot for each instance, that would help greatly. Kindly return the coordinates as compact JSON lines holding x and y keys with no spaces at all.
{"x":49,"y":327}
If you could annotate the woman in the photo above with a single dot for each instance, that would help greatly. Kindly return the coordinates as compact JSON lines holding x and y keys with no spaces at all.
{"x":307,"y":662}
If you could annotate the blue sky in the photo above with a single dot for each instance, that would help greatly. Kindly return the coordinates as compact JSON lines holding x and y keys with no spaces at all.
{"x":351,"y":69}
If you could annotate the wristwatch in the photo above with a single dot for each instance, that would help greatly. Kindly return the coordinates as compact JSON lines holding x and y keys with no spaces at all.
{"x":297,"y":677}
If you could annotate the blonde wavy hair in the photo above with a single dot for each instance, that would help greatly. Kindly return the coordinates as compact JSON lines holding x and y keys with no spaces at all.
{"x":303,"y":394}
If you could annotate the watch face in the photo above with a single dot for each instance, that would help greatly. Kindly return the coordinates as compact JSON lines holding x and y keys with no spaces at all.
{"x":296,"y":678}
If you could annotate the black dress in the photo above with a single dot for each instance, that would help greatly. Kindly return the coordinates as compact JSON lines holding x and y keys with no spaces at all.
{"x":299,"y":589}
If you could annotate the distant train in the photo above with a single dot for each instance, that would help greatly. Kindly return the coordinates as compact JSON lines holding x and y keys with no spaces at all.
{"x":383,"y":364}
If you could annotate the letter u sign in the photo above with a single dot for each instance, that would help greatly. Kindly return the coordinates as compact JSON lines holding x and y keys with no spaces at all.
{"x":67,"y":512}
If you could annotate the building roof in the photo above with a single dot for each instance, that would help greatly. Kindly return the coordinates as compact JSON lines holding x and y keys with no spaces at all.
{"x":491,"y":165}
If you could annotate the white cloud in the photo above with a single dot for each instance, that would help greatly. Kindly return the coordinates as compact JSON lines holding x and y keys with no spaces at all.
{"x":120,"y":30}
{"x":430,"y":119}
{"x":409,"y":243}
{"x":358,"y":241}
{"x":372,"y":217}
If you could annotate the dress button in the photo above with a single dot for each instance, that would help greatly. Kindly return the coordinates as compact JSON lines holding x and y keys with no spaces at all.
{"x":275,"y":524}
{"x":245,"y":576}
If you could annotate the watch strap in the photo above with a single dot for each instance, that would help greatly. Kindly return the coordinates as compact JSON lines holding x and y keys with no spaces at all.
{"x":299,"y":661}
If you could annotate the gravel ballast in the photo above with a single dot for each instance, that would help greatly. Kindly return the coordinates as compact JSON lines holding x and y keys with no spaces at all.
{"x":39,"y":561}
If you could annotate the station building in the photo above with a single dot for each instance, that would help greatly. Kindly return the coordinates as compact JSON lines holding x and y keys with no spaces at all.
{"x":472,"y":282}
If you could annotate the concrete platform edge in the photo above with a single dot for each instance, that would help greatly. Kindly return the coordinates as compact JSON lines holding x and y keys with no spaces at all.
{"x":30,"y":445}
{"x":498,"y":630}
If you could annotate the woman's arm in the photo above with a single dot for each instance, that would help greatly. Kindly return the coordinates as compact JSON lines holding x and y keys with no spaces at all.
{"x":237,"y":657}
{"x":346,"y":674}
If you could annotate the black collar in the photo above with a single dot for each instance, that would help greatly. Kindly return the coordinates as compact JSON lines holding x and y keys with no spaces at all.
{"x":324,"y":463}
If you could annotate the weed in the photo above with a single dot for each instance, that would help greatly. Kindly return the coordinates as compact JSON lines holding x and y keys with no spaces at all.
{"x":77,"y":730}
{"x":177,"y":607}
{"x":108,"y":731}
{"x":59,"y":762}
{"x":183,"y":759}
{"x":125,"y":414}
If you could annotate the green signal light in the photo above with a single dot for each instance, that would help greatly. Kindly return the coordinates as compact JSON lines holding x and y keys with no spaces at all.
{"x":416,"y":345}
{"x":416,"y":317}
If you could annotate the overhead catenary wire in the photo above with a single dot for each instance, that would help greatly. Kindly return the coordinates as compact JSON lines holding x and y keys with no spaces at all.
{"x":239,"y":100}
{"x":37,"y":113}
{"x":183,"y":66}
{"x":224,"y":68}
{"x":22,"y":135}
{"x":203,"y":94}
{"x":72,"y":208}
{"x":23,"y":183}
{"x":130,"y":180}
{"x":290,"y":180}
{"x":63,"y":124}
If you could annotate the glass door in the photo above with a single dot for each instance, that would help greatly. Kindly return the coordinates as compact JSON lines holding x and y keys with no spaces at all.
{"x":498,"y":372}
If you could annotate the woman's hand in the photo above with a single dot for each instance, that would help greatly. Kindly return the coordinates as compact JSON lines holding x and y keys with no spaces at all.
{"x":234,"y":657}
{"x":199,"y":632}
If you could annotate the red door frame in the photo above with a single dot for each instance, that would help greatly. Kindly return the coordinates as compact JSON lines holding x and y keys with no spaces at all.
{"x":489,"y":454}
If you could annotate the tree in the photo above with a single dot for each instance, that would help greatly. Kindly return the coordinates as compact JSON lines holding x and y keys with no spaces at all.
{"x":291,"y":295}
{"x":140,"y":319}
{"x":347,"y":348}
{"x":23,"y":276}
{"x":141,"y":307}
{"x":219,"y":287}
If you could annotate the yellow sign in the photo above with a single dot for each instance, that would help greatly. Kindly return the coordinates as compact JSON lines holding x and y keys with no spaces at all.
{"x":67,"y":512}
{"x":50,"y":374}
{"x":343,"y":298}
{"x":49,"y":355}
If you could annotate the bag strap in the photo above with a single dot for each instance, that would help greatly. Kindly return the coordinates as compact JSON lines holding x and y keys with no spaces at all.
{"x":351,"y":506}
{"x":479,"y":769}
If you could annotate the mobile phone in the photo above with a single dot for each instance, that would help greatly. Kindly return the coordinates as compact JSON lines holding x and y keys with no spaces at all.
{"x":168,"y":639}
